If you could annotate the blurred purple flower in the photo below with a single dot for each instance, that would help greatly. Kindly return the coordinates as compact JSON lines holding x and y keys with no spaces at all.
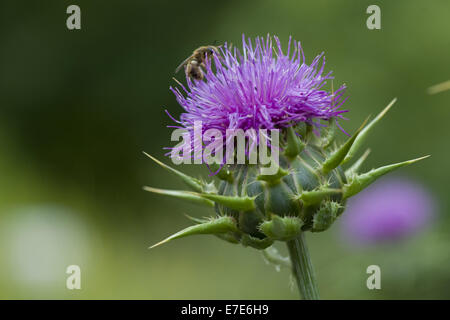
{"x":388,"y":210}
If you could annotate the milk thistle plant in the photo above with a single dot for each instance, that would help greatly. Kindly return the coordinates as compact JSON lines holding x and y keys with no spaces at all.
{"x":264,"y":88}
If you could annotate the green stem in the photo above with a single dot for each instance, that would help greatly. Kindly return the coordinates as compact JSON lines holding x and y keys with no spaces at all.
{"x":302,"y":268}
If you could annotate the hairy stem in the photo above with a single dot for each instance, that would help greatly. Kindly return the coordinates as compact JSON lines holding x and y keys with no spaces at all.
{"x":302,"y":268}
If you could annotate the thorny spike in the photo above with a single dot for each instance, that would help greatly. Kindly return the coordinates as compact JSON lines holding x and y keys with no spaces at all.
{"x":362,"y":136}
{"x":315,"y":196}
{"x":361,"y":181}
{"x":214,"y":226}
{"x":193,"y":183}
{"x":236,"y":203}
{"x":338,"y":156}
{"x":196,"y":220}
{"x":294,"y":144}
{"x":184,"y":195}
{"x":355,"y":167}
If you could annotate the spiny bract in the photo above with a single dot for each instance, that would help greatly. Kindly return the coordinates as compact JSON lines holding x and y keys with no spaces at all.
{"x":307,"y":193}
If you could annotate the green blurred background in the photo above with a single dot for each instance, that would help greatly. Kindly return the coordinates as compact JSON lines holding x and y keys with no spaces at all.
{"x":79,"y":107}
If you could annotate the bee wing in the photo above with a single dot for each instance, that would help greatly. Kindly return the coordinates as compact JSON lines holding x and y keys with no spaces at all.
{"x":183,"y":64}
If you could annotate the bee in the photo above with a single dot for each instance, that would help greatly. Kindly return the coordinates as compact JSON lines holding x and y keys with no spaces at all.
{"x":196,"y":61}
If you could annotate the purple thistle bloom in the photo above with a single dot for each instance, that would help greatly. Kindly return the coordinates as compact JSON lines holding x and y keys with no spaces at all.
{"x":389,"y":210}
{"x":260,"y":88}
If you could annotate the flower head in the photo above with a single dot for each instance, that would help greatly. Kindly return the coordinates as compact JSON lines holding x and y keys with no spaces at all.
{"x":389,"y":210}
{"x":259,"y":88}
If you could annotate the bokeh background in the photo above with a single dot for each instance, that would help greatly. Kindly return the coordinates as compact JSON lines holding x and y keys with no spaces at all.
{"x":77,"y":108}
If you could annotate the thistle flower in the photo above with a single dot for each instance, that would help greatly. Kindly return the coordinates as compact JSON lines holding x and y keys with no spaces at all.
{"x":263,"y":88}
{"x":389,"y":210}
{"x":260,"y":88}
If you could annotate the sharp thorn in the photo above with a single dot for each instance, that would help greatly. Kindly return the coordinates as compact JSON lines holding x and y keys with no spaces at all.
{"x":364,"y":133}
{"x":184,"y":195}
{"x":361,"y":181}
{"x":193,"y":183}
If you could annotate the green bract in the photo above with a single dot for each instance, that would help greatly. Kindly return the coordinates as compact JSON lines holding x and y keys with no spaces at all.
{"x":308,"y":192}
